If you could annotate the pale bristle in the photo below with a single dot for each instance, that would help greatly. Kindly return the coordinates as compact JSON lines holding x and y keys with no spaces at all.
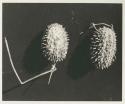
{"x":103,"y":47}
{"x":55,"y":42}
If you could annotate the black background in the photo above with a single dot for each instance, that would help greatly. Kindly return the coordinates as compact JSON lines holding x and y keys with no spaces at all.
{"x":75,"y":79}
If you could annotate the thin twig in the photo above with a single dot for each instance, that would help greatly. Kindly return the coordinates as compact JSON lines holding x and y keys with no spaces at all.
{"x":14,"y":69}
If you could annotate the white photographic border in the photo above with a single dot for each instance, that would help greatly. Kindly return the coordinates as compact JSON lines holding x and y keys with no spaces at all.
{"x":67,"y":1}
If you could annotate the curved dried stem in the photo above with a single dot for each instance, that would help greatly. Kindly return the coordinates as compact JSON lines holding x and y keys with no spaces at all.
{"x":14,"y":69}
{"x":94,"y":26}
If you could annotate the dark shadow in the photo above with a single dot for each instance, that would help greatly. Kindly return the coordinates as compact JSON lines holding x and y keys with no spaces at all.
{"x":79,"y":63}
{"x":10,"y":89}
{"x":34,"y":61}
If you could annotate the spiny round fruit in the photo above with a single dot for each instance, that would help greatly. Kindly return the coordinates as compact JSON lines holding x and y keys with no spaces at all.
{"x":55,"y":42}
{"x":55,"y":45}
{"x":103,"y":45}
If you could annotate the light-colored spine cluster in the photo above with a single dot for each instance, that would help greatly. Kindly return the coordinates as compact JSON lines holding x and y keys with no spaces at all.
{"x":55,"y":44}
{"x":103,"y":45}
